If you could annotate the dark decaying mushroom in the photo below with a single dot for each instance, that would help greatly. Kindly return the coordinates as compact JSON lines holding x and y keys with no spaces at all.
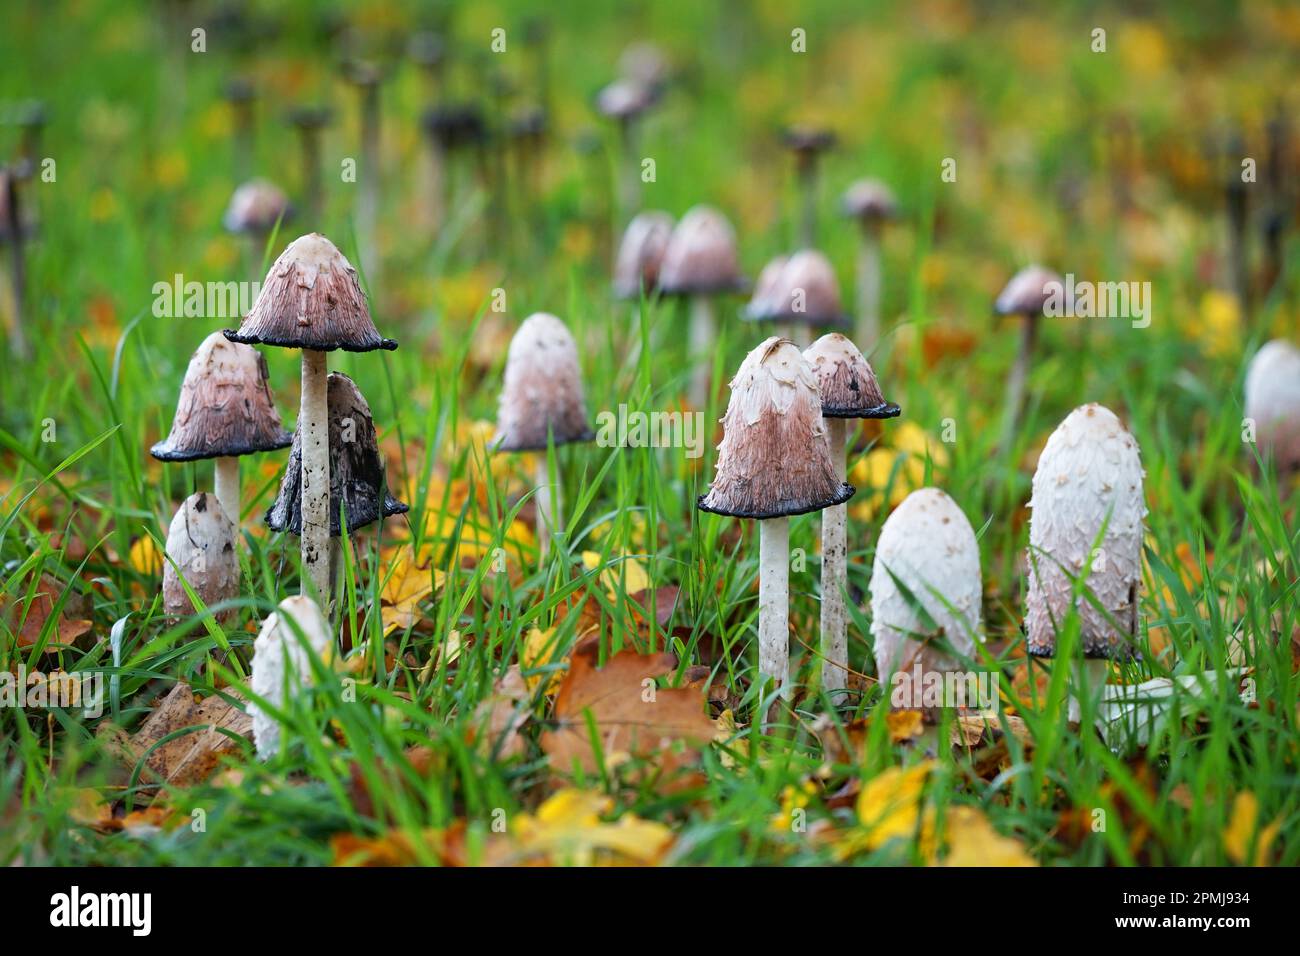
{"x":849,"y":389}
{"x":225,"y":411}
{"x":774,"y":461}
{"x":358,"y":486}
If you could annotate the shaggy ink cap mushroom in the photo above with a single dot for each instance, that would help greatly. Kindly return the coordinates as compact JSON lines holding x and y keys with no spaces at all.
{"x":542,"y":396}
{"x":255,"y":208}
{"x":1089,"y":475}
{"x":281,"y":661}
{"x":357,"y":472}
{"x":1273,"y":402}
{"x":846,"y":381}
{"x":869,"y":201}
{"x":640,"y":254}
{"x":805,"y":279}
{"x":1027,"y":292}
{"x":774,"y":459}
{"x":225,"y":408}
{"x":311,"y":299}
{"x":201,"y":546}
{"x":928,"y":545}
{"x":701,"y":256}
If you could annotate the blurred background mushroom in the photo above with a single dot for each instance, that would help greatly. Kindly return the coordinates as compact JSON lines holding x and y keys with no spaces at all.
{"x":225,"y":410}
{"x":807,"y":144}
{"x":256,"y":209}
{"x":624,"y":101}
{"x":1273,"y":405}
{"x":871,"y":204}
{"x":1085,"y":531}
{"x":541,"y":407}
{"x":799,"y":293}
{"x":1025,"y":295}
{"x":848,"y":388}
{"x":311,"y":300}
{"x":310,"y":121}
{"x":774,"y":462}
{"x":641,"y":253}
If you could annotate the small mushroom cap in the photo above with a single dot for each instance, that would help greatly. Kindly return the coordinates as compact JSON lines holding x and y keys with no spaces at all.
{"x":542,"y":394}
{"x":1027,"y":292}
{"x":455,"y":125}
{"x":625,"y":99}
{"x":808,"y":140}
{"x":256,"y":207}
{"x":846,"y":380}
{"x":928,"y":545}
{"x":641,"y":252}
{"x":1273,"y":402}
{"x":357,"y":472}
{"x":311,"y":299}
{"x":869,"y":200}
{"x":201,"y":545}
{"x":310,"y":117}
{"x":281,"y":659}
{"x":804,"y":290}
{"x":644,"y":63}
{"x":1089,"y":474}
{"x":701,"y":257}
{"x":225,"y":408}
{"x":775,"y":458}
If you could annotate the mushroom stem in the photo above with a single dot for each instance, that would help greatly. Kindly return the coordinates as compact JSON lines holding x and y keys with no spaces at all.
{"x":18,"y":268}
{"x":368,"y":196}
{"x":630,"y":175}
{"x":835,"y":647}
{"x":226,"y":487}
{"x":309,"y":141}
{"x":1087,"y":679}
{"x":548,"y":504}
{"x":869,"y":289}
{"x":1016,"y":381}
{"x":808,"y":215}
{"x":313,"y":423}
{"x":774,"y":601}
{"x":703,"y":332}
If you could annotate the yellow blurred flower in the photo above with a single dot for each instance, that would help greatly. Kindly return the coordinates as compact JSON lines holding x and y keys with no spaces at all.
{"x":1219,"y":331}
{"x":145,"y":557}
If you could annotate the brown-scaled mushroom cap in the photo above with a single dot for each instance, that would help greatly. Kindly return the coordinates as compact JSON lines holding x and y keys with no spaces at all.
{"x":846,"y":380}
{"x":641,"y":252}
{"x":226,"y":408}
{"x":1027,"y":292}
{"x":869,"y":201}
{"x":775,"y":458}
{"x":357,"y":479}
{"x":255,"y":207}
{"x":625,"y":99}
{"x":701,"y":257}
{"x":804,"y":290}
{"x":311,"y":299}
{"x":542,"y":393}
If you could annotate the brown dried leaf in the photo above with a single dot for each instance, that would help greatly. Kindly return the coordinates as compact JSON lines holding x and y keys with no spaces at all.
{"x":192,"y":757}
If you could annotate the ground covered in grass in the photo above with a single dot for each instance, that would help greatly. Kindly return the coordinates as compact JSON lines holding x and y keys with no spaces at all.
{"x":482,"y":700}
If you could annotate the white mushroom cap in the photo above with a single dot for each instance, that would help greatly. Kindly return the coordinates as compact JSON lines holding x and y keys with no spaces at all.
{"x":201,"y":543}
{"x":624,"y":99}
{"x":701,"y":256}
{"x":764,"y":300}
{"x":255,"y":207}
{"x":928,"y":544}
{"x":543,"y":388}
{"x":644,"y":62}
{"x":869,"y":200}
{"x":1089,"y":471}
{"x":775,"y":458}
{"x":1027,"y":292}
{"x":802,"y":289}
{"x":279,"y":656}
{"x":641,"y":252}
{"x":1273,"y":402}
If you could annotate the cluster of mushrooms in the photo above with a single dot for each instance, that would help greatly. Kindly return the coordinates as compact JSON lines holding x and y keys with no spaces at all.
{"x":335,"y":480}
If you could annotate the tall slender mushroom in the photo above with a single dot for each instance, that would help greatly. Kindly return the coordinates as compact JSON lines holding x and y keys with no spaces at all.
{"x":1089,"y":478}
{"x":201,"y":545}
{"x":640,"y":254}
{"x":358,"y":483}
{"x":1273,"y":403}
{"x":624,"y":101}
{"x":14,"y":230}
{"x":848,"y":389}
{"x":254,"y":210}
{"x":871,"y":203}
{"x":367,"y":78}
{"x":282,"y":663}
{"x":1025,"y":295}
{"x":311,"y":300}
{"x":309,"y":121}
{"x":242,"y":97}
{"x":542,"y":404}
{"x":701,"y":262}
{"x":774,"y":461}
{"x":799,"y":291}
{"x":807,"y":144}
{"x":925,"y":599}
{"x":225,"y":410}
